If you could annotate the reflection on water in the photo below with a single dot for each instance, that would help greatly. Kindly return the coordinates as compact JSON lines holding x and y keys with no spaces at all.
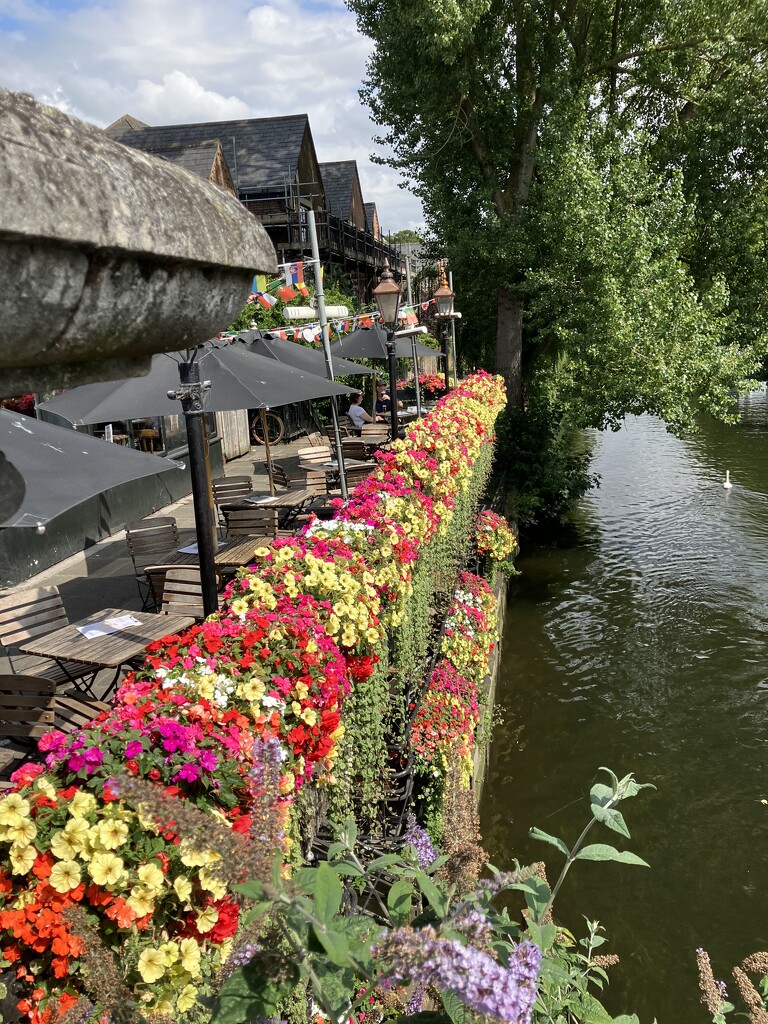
{"x":642,"y":646}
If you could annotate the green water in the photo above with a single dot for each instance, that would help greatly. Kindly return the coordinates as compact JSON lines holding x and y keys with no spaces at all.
{"x":639,"y":642}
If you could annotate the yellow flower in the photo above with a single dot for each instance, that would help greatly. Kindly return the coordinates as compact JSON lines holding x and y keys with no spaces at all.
{"x":163,"y":1008}
{"x":141,"y":901}
{"x":81,"y":804}
{"x":106,"y":869}
{"x":253,"y":690}
{"x":151,"y":876}
{"x":183,"y":888}
{"x":65,"y":875}
{"x":171,"y":952}
{"x":225,"y":949}
{"x":22,"y":859}
{"x":13,"y":809}
{"x":302,"y":690}
{"x":189,"y":952}
{"x":65,"y":846}
{"x":309,"y":716}
{"x":112,"y":834}
{"x":211,"y":884}
{"x":261,"y":552}
{"x":239,"y":606}
{"x":23,"y":833}
{"x":206,"y":919}
{"x":187,"y":998}
{"x":152,"y":965}
{"x":77,"y":829}
{"x":42,"y":785}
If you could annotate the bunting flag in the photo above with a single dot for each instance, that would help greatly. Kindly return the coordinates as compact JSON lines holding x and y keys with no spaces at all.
{"x":266,"y":300}
{"x":294,"y":275}
{"x":286,"y":293}
{"x":260,"y":283}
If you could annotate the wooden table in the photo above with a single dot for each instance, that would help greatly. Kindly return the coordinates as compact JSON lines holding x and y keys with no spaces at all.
{"x":233,"y":556}
{"x":291,"y":502}
{"x":112,"y":651}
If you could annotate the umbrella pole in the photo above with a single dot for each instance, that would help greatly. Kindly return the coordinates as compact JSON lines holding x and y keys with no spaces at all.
{"x":191,"y":395}
{"x":267,"y":450}
{"x":320,"y":296}
{"x":416,"y":375}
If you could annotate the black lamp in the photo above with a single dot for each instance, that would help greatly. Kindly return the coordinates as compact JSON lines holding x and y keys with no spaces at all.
{"x":387,"y":295}
{"x":444,"y":301}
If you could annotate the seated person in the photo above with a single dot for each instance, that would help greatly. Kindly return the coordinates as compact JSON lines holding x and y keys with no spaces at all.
{"x":357,"y":413}
{"x":383,"y":401}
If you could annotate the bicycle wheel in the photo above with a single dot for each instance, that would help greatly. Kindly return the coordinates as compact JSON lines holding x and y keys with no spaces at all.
{"x":275,"y":428}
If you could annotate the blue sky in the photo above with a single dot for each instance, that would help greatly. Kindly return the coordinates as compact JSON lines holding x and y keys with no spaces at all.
{"x":167,"y":61}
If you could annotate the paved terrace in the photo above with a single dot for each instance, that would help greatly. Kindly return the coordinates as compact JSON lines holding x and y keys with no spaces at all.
{"x":102,"y":576}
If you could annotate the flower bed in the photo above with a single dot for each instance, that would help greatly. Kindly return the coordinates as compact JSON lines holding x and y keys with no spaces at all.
{"x":300,"y":626}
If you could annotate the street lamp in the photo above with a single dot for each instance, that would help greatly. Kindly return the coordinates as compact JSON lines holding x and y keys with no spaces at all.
{"x":444,"y":301}
{"x":387,"y":295}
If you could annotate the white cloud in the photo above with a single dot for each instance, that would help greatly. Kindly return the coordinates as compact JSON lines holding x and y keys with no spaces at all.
{"x":167,"y":61}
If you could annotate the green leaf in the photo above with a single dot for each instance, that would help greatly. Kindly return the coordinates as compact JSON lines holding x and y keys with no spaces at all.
{"x":385,"y":861}
{"x":456,"y":1010}
{"x":253,"y":992}
{"x":335,"y":988}
{"x":399,"y":901}
{"x":599,"y":851}
{"x":610,"y":817}
{"x":347,"y":868}
{"x":626,"y":1018}
{"x":335,"y":945}
{"x":545,"y":837}
{"x":328,"y":892}
{"x":435,"y":898}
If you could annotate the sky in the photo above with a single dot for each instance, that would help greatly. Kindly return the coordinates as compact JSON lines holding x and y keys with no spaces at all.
{"x":176,"y":61}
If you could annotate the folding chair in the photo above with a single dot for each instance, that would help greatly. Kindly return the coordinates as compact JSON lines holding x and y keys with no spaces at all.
{"x":183,"y":592}
{"x":27,"y":614}
{"x":147,"y":539}
{"x":29,"y":707}
{"x":251,"y":522}
{"x":228,"y":489}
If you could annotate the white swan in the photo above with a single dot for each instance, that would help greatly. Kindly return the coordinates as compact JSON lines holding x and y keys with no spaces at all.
{"x":727,"y":482}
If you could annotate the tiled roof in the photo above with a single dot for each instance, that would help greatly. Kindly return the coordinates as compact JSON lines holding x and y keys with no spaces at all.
{"x":370,"y":216}
{"x":198,"y":158}
{"x":338,"y":183}
{"x":258,"y":151}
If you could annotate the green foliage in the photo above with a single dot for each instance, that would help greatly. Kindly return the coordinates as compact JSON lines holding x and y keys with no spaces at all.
{"x":545,"y":460}
{"x":603,"y":206}
{"x":330,"y":955}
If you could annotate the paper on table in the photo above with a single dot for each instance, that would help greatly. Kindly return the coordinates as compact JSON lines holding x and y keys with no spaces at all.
{"x":107,"y":626}
{"x":259,"y":499}
{"x":191,"y":549}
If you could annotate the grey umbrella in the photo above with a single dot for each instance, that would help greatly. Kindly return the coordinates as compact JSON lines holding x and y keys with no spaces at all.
{"x":50,"y":469}
{"x":371,"y":343}
{"x":211,"y":378}
{"x":291,"y":353}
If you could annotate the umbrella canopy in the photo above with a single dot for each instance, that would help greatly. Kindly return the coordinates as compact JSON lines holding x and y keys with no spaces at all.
{"x":54,"y":469}
{"x":239,"y":380}
{"x":371,"y":343}
{"x":311,"y":360}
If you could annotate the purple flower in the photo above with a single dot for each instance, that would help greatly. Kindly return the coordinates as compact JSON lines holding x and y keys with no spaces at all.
{"x":420,"y":841}
{"x":208,"y":761}
{"x":94,"y":757}
{"x":133,"y":749}
{"x":187,"y":773}
{"x":479,"y":981}
{"x":76,"y":762}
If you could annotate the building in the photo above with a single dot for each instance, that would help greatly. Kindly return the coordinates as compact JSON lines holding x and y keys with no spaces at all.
{"x":274,"y":170}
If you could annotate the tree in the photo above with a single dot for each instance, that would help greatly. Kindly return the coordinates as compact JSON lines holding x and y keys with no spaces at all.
{"x":554,"y":145}
{"x":404,"y":237}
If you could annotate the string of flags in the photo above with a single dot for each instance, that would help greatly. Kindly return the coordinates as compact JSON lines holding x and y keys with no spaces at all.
{"x":291,"y":284}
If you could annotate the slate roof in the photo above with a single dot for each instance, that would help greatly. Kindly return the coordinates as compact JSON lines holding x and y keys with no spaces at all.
{"x":258,"y":151}
{"x":338,"y":183}
{"x":370,"y":216}
{"x":198,"y":158}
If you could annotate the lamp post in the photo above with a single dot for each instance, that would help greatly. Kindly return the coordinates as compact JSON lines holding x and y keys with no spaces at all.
{"x":387,"y":295}
{"x":444,"y":301}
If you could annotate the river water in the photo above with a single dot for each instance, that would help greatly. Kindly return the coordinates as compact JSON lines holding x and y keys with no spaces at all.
{"x":639,"y":643}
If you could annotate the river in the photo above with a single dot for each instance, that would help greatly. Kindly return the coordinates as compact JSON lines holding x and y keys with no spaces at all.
{"x":639,"y":643}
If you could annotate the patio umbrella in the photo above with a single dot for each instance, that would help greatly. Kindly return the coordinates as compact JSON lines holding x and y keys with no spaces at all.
{"x":371,"y":343}
{"x":46,"y":470}
{"x":301,"y":357}
{"x":212,"y":378}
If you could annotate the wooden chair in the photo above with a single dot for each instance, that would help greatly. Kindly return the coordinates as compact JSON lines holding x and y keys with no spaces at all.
{"x":149,"y":440}
{"x":183,"y":591}
{"x":251,"y":522}
{"x":356,"y":448}
{"x":29,"y":707}
{"x":344,"y":430}
{"x":316,"y":439}
{"x":147,"y":539}
{"x":27,"y":614}
{"x":154,"y":576}
{"x":375,"y":432}
{"x":228,"y":489}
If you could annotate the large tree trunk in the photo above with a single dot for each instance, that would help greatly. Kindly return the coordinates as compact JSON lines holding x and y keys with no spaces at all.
{"x":509,"y":345}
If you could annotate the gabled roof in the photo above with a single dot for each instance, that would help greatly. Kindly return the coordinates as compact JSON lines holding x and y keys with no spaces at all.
{"x":339,"y":182}
{"x":258,"y":151}
{"x":198,"y":158}
{"x":371,"y":216}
